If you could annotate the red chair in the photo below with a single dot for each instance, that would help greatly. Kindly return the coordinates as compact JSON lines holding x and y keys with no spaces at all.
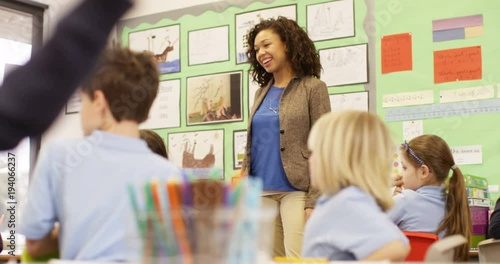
{"x":419,"y":243}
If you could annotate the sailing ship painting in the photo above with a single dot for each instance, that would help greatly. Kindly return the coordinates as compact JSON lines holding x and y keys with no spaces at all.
{"x":163,"y":43}
{"x":330,"y":20}
{"x":198,"y":152}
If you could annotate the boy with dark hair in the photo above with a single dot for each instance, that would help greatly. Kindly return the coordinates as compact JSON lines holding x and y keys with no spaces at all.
{"x":82,"y":184}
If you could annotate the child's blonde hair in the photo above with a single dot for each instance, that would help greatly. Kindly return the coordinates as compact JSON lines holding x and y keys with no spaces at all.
{"x":352,"y":148}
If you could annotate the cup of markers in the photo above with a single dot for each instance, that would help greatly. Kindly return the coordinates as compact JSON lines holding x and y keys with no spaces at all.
{"x":202,"y":221}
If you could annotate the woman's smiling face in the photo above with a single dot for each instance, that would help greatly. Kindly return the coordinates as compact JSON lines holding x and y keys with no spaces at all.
{"x":270,"y":51}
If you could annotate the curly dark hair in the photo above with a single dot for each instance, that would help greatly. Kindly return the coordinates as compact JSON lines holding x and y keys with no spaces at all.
{"x":300,"y":49}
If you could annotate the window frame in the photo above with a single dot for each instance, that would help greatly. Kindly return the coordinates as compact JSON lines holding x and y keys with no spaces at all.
{"x":37,"y":10}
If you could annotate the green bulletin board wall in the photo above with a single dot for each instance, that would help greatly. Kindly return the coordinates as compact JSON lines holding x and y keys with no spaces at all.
{"x":211,"y":19}
{"x":403,"y":16}
{"x":385,"y":17}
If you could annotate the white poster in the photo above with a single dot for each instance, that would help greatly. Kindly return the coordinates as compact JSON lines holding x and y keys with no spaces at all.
{"x":165,"y":111}
{"x":468,"y":154}
{"x":467,"y":94}
{"x":209,"y":45}
{"x":409,"y":98}
{"x":239,"y":147}
{"x":344,"y":65}
{"x":412,"y":129}
{"x":349,"y":101}
{"x":330,"y":20}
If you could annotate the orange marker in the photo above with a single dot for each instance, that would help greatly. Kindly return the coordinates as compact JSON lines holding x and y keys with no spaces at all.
{"x":178,"y":223}
{"x":156,"y":199}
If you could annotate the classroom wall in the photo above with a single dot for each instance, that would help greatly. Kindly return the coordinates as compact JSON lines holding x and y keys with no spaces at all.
{"x":374,"y":19}
{"x":214,"y":13}
{"x":64,"y":126}
{"x":211,"y":19}
{"x":416,"y":17}
{"x":57,"y":9}
{"x":147,"y":7}
{"x":68,"y":126}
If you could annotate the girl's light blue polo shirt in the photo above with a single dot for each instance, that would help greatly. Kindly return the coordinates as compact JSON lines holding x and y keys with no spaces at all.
{"x":419,"y":211}
{"x":349,"y":225}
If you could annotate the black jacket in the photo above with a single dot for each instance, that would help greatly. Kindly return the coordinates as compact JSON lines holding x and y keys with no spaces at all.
{"x":32,"y":95}
{"x":494,"y":229}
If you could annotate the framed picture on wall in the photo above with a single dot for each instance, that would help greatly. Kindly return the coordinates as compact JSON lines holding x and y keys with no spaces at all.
{"x":214,"y":98}
{"x":163,"y":42}
{"x":74,"y":104}
{"x":165,"y":111}
{"x":208,"y":45}
{"x":252,"y":88}
{"x":349,"y":101}
{"x":246,"y":21}
{"x":239,"y":146}
{"x":344,"y":65}
{"x":199,"y":152}
{"x":330,"y":20}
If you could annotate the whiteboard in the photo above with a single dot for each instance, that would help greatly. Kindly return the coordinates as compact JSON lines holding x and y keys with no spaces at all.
{"x":344,"y":65}
{"x":349,"y":101}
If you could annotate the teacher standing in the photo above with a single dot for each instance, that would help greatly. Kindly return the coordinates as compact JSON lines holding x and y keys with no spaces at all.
{"x":285,"y":64}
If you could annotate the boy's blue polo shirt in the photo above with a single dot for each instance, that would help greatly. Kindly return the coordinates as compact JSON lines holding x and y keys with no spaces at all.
{"x":82,"y":184}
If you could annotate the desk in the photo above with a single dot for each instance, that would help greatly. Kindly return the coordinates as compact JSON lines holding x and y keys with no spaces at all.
{"x":4,"y":256}
{"x":473,"y":255}
{"x":332,"y":262}
{"x":7,"y":257}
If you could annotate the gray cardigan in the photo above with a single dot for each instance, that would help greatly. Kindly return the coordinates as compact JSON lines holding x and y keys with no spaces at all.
{"x":303,"y":101}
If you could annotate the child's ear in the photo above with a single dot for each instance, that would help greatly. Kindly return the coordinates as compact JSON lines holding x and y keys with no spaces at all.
{"x":424,"y":172}
{"x":100,"y":100}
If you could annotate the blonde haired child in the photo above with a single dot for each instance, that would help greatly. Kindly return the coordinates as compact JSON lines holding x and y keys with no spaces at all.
{"x":350,"y":164}
{"x":426,"y":204}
